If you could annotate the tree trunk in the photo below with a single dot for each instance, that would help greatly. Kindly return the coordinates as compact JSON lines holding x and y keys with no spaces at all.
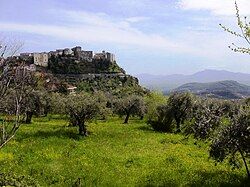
{"x":46,"y":111}
{"x":245,"y":163}
{"x":82,"y":129}
{"x":29,"y":115}
{"x":126,"y":119}
{"x":178,"y":124}
{"x":142,"y":117}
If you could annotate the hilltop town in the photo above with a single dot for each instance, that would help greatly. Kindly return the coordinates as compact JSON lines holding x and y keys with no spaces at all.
{"x":66,"y":70}
{"x":76,"y":53}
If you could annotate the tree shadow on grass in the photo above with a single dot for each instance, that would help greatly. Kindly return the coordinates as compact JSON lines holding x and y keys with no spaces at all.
{"x":146,"y":128}
{"x":218,"y":178}
{"x":44,"y":134}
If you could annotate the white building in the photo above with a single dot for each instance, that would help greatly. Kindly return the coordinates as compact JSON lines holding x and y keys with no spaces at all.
{"x":41,"y":59}
{"x":110,"y":57}
{"x":105,"y":55}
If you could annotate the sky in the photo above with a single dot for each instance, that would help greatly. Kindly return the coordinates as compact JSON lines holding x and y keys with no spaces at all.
{"x":157,"y":37}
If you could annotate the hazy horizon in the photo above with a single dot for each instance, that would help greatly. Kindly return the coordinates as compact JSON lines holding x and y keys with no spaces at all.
{"x":160,"y":37}
{"x":191,"y":73}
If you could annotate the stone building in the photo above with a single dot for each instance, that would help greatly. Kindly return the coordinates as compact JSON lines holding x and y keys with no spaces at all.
{"x":110,"y":57}
{"x":101,"y":55}
{"x":77,"y":50}
{"x":41,"y":59}
{"x":67,"y":52}
{"x":71,"y":89}
{"x":59,"y":51}
{"x":26,"y":56}
{"x":53,"y":53}
{"x":87,"y":55}
{"x":105,"y":56}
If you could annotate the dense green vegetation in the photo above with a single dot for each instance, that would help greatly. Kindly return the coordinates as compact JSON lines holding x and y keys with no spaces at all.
{"x":47,"y":152}
{"x":115,"y":85}
{"x":72,"y":65}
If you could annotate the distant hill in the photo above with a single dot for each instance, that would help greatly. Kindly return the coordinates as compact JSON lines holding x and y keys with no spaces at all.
{"x":170,"y":82}
{"x":222,"y":89}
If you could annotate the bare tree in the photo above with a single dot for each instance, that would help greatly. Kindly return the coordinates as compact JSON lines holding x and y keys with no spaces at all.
{"x":14,"y":81}
{"x":9,"y":46}
{"x":19,"y":87}
{"x":244,"y":33}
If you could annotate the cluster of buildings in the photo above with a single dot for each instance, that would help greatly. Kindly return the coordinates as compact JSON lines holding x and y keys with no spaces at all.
{"x":42,"y":59}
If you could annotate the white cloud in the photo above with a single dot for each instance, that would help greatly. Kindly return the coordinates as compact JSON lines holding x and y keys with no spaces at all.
{"x":137,"y":19}
{"x":82,"y":26}
{"x":217,"y":7}
{"x":100,"y":28}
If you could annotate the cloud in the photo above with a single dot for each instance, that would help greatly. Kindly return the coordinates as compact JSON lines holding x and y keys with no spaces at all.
{"x":123,"y":32}
{"x":83,"y":26}
{"x":137,"y":19}
{"x":217,"y":7}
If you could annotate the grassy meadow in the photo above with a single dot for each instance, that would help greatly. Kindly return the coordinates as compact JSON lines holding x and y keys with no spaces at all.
{"x":49,"y":153}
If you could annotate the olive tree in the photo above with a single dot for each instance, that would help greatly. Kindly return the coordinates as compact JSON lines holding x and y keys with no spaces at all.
{"x":82,"y":108}
{"x":181,"y":105}
{"x":34,"y":103}
{"x":234,"y":140}
{"x":173,"y":113}
{"x":130,"y":105}
{"x":206,"y":118}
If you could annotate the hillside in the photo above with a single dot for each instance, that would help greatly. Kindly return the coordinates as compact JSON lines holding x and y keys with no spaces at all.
{"x":73,"y":65}
{"x":222,"y":89}
{"x":95,"y":75}
{"x":169,"y":82}
{"x":79,"y":69}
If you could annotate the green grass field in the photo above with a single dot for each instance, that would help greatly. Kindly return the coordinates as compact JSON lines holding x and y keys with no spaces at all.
{"x":114,"y":154}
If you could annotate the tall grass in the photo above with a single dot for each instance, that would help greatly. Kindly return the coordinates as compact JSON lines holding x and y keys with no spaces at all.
{"x":114,"y":154}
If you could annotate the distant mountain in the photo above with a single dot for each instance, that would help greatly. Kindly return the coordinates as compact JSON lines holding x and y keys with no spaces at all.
{"x":221,"y":89}
{"x":170,"y":82}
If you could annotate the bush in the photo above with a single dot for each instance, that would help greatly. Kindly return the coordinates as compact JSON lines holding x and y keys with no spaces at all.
{"x":164,"y":119}
{"x":154,"y":100}
{"x":233,"y":141}
{"x":12,"y":180}
{"x":178,"y":109}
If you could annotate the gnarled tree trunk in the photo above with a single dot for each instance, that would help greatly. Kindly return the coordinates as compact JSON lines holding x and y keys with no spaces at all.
{"x":82,"y":128}
{"x":245,"y":162}
{"x":127,"y":118}
{"x":29,"y":115}
{"x":178,"y":125}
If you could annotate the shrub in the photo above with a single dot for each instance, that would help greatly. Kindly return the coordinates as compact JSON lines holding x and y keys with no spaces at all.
{"x":154,"y":100}
{"x":163,"y":119}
